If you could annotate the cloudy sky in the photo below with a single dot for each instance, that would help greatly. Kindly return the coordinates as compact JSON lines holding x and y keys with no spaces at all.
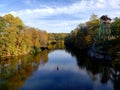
{"x":58,"y":15}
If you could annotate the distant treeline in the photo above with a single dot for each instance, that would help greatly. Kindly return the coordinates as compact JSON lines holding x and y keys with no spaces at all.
{"x":83,"y":36}
{"x":56,"y":37}
{"x":17,"y":39}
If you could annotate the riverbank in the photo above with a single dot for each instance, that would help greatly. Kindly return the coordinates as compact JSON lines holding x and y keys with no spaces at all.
{"x":110,"y":56}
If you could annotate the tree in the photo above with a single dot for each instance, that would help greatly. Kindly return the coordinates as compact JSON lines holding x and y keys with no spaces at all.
{"x":16,"y":38}
{"x":93,"y":17}
{"x":83,"y":36}
{"x":2,"y":25}
{"x":115,"y":27}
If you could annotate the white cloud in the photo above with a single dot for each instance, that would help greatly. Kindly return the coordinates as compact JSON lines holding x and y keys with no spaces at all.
{"x":76,"y":8}
{"x":81,"y":9}
{"x":114,"y":3}
{"x":55,"y":25}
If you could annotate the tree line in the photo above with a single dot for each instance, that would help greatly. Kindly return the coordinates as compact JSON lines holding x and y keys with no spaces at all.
{"x":17,"y":38}
{"x":83,"y":36}
{"x":56,"y":37}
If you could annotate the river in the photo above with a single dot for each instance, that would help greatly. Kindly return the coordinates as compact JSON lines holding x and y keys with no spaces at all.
{"x":58,"y":69}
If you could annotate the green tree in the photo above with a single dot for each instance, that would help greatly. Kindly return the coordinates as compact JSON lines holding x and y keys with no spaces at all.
{"x":115,"y":27}
{"x":83,"y":36}
{"x":93,"y":17}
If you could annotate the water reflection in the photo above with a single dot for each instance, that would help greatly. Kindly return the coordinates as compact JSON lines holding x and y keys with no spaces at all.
{"x":14,"y":71}
{"x":99,"y":71}
{"x":59,"y":73}
{"x":61,"y":69}
{"x":62,"y":72}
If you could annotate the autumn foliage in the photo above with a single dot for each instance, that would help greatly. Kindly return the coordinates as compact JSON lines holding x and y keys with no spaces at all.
{"x":17,"y":39}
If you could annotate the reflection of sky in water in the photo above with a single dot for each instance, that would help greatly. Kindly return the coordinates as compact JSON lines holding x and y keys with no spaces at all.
{"x":62,"y":73}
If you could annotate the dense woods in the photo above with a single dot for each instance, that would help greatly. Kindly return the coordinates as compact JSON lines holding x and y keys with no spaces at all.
{"x":17,"y":39}
{"x":83,"y":36}
{"x":56,"y":37}
{"x":56,"y":40}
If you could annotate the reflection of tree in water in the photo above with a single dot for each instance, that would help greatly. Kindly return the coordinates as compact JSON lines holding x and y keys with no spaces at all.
{"x":43,"y":57}
{"x":14,"y":71}
{"x":105,"y":70}
{"x":115,"y":71}
{"x":105,"y":74}
{"x":81,"y":56}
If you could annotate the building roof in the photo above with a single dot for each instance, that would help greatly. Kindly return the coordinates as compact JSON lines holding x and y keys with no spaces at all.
{"x":105,"y":17}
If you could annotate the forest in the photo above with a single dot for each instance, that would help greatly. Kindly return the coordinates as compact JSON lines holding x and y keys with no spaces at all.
{"x":56,"y":37}
{"x":84,"y":35}
{"x":17,"y":38}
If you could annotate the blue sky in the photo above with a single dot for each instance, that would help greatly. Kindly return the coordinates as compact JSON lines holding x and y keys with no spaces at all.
{"x":58,"y":15}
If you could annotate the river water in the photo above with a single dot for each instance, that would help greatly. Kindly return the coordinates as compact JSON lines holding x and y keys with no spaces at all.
{"x":58,"y":69}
